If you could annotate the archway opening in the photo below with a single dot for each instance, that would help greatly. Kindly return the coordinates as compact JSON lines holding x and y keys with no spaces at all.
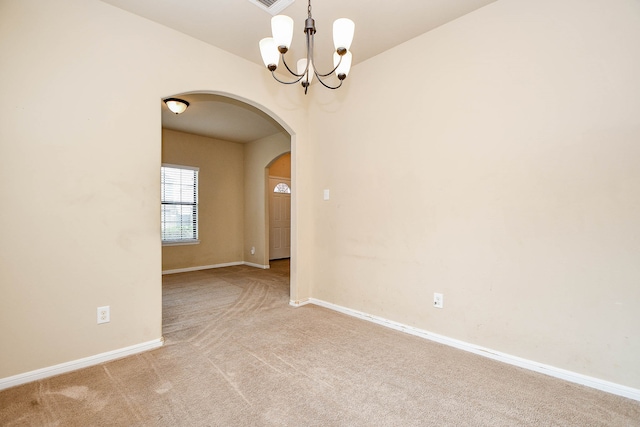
{"x":232,"y":141}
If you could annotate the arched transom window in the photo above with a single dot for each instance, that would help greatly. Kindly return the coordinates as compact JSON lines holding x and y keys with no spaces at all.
{"x":282,"y":188}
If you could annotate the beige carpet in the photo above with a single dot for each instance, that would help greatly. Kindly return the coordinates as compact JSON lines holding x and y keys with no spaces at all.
{"x":237,"y":355}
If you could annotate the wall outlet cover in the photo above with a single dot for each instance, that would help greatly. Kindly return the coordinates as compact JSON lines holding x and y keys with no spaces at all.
{"x":104,"y":314}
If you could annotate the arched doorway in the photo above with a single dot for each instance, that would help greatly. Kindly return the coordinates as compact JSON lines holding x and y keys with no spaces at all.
{"x":253,"y":246}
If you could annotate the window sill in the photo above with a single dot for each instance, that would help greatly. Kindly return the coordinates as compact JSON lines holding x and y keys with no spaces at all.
{"x":181,"y":242}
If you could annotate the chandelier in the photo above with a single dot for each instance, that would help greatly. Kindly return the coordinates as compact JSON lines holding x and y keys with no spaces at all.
{"x":272,"y":48}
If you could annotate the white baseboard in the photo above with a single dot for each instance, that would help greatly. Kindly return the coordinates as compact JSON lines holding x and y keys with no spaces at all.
{"x":264,"y":267}
{"x":78,"y":364}
{"x":299,"y":303}
{"x":202,"y":267}
{"x":207,"y":267}
{"x":570,"y":376}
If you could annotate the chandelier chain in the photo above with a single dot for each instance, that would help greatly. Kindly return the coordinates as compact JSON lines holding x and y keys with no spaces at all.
{"x":309,"y":9}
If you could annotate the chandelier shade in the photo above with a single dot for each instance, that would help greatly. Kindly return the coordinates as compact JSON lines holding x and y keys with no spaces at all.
{"x":269,"y":52}
{"x":343,"y":30}
{"x":273,"y":48}
{"x":282,"y":30}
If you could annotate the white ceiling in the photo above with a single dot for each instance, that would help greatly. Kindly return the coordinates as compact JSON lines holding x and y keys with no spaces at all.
{"x":237,"y":26}
{"x":220,"y":117}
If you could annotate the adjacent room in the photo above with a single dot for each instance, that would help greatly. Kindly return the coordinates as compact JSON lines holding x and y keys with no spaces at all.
{"x":456,"y":238}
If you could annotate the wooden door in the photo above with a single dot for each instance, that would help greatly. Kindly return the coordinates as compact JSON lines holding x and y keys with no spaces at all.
{"x":279,"y":218}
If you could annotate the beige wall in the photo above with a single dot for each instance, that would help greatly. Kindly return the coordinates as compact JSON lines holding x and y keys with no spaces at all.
{"x":513,"y":188}
{"x":281,"y":167}
{"x":80,"y":150}
{"x":220,"y":199}
{"x":258,"y":155}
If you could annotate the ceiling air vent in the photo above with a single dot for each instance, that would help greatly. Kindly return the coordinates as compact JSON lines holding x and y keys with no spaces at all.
{"x":272,"y":6}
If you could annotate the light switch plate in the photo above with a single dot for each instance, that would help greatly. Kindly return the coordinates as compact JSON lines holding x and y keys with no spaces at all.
{"x":438,"y":300}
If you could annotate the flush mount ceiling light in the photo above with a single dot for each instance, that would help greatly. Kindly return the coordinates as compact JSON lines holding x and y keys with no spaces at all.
{"x":176,"y":105}
{"x":272,"y":48}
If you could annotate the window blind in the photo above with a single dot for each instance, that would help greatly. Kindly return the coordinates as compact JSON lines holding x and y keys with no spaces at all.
{"x":179,"y":186}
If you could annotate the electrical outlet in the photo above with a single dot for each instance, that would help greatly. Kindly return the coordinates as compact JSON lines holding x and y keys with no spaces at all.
{"x":438,"y":300}
{"x":104,"y":315}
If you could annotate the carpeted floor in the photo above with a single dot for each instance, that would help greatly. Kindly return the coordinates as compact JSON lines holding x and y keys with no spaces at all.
{"x":236,"y":354}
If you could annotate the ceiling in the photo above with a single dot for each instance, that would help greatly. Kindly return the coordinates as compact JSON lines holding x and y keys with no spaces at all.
{"x":237,"y":26}
{"x":220,"y":117}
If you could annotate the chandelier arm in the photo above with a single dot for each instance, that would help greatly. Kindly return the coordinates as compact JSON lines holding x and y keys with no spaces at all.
{"x":330,"y":72}
{"x":273,"y":73}
{"x":318,"y":75}
{"x":315,"y":71}
{"x":289,"y":69}
{"x":326,"y":85}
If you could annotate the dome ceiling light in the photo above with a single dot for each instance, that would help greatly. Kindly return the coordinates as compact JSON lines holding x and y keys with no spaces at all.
{"x":177,"y":106}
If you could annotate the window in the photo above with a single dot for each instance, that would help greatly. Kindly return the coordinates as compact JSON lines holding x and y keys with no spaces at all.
{"x":179,"y":186}
{"x":282,"y":188}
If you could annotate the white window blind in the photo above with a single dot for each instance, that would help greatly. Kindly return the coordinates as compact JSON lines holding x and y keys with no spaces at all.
{"x":179,"y":186}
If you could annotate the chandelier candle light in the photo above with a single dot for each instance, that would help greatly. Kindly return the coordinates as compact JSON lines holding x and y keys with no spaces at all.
{"x":272,"y":48}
